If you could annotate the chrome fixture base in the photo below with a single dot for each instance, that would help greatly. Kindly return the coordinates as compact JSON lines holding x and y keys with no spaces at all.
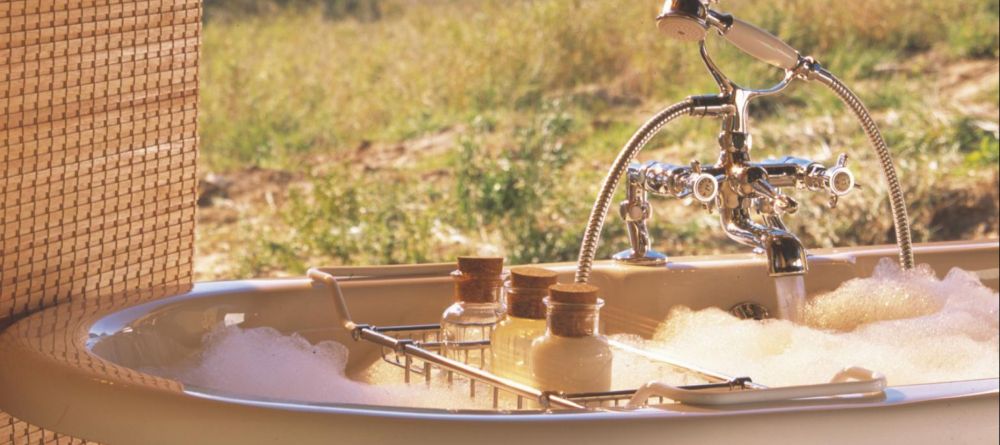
{"x":650,"y":258}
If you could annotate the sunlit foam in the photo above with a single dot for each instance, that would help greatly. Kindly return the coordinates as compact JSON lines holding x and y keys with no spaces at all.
{"x":909,"y":325}
{"x":263,"y":363}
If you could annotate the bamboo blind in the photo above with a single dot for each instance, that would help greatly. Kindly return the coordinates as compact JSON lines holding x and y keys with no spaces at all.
{"x":98,"y":140}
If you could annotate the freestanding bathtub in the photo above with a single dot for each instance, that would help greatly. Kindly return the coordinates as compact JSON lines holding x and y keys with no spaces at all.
{"x":74,"y":368}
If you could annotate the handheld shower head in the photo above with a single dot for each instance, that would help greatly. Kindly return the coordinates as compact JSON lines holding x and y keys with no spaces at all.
{"x":689,"y":21}
{"x":684,"y":20}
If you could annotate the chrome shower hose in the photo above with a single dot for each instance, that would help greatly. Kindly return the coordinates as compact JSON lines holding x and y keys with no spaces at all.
{"x":592,"y":234}
{"x":896,"y":202}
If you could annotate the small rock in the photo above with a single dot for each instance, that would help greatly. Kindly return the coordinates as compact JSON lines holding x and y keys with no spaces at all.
{"x":210,"y":187}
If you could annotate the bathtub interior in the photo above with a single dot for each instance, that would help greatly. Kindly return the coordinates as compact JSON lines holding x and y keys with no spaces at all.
{"x":167,"y":332}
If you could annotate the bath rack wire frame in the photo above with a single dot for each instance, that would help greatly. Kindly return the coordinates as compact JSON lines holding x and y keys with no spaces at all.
{"x":416,"y":350}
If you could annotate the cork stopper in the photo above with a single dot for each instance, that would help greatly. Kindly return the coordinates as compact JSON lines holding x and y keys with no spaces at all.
{"x":528,"y":288}
{"x":481,"y":265}
{"x":580,"y":317}
{"x":532,"y":277}
{"x":477,"y":279}
{"x":574,"y":293}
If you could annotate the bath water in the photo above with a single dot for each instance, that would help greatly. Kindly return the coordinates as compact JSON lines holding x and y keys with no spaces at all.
{"x":909,"y":325}
{"x":791,"y":291}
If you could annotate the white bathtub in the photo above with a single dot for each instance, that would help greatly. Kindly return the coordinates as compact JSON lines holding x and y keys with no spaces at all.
{"x":73,"y":368}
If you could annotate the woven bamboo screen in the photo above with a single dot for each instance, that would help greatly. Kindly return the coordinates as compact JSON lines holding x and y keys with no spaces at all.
{"x":98,"y":140}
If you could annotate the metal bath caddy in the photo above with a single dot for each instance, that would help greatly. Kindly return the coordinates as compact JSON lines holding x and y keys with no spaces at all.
{"x":414,"y":349}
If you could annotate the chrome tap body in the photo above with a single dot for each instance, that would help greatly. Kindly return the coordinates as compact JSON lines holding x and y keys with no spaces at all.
{"x":735,"y":185}
{"x":738,"y":190}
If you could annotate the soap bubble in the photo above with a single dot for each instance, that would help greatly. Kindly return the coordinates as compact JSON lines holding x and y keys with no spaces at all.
{"x":264,"y":363}
{"x":909,"y":325}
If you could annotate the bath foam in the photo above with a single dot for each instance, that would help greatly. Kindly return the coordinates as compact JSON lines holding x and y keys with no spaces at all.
{"x":630,"y":370}
{"x":264,"y":363}
{"x":909,"y":325}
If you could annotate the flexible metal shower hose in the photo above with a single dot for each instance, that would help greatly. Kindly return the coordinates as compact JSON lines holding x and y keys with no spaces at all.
{"x":592,"y":234}
{"x":896,"y":201}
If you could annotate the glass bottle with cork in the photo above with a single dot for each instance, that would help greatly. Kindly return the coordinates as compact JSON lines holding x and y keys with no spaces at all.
{"x":572,"y":356}
{"x":510,"y":343}
{"x":476,"y":311}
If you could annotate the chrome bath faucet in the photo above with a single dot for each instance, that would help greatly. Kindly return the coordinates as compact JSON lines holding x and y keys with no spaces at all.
{"x":748,"y":195}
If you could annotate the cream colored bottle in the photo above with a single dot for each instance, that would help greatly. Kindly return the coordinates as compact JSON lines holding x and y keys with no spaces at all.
{"x":510,"y":344}
{"x":572,"y":356}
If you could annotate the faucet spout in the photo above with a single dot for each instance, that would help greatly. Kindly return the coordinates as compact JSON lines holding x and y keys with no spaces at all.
{"x":785,"y":253}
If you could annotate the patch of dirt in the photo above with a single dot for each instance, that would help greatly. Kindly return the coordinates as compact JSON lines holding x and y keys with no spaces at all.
{"x":222,"y":196}
{"x":224,"y":200}
{"x":965,"y":83}
{"x":961,"y":214}
{"x":371,"y":156}
{"x":961,"y":84}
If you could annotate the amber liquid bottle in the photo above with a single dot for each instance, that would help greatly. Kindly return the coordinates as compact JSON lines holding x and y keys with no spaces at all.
{"x":510,"y":344}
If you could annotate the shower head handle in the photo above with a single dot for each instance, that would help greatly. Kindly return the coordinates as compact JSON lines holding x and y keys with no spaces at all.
{"x":689,"y":20}
{"x":758,"y":43}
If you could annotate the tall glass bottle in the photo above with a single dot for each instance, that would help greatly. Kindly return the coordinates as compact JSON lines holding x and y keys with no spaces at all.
{"x":510,"y":343}
{"x":476,"y":311}
{"x":572,"y":356}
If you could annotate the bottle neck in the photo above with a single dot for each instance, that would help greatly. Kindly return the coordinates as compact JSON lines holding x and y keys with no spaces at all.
{"x":525,"y":302}
{"x":477,"y":288}
{"x":573,"y":319}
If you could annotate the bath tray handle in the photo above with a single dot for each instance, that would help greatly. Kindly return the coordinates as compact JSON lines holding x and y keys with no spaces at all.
{"x":343,"y":314}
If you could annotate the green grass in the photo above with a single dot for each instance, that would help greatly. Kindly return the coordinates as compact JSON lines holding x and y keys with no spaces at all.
{"x":541,"y":95}
{"x":292,"y":81}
